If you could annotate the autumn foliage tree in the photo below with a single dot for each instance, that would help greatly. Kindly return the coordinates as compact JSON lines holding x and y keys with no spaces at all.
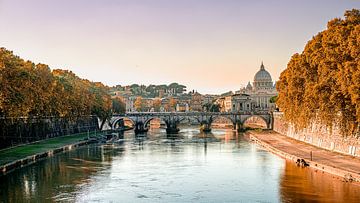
{"x":172,"y":103}
{"x":323,"y":82}
{"x":139,"y":104}
{"x":29,"y":91}
{"x":157,"y":104}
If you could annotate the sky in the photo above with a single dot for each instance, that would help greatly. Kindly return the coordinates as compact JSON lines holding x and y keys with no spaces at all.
{"x":212,"y":46}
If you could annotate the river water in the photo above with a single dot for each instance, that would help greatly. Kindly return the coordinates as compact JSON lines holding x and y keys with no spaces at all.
{"x":192,"y":167}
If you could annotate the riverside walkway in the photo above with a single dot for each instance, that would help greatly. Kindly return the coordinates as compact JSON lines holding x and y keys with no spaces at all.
{"x":331,"y":162}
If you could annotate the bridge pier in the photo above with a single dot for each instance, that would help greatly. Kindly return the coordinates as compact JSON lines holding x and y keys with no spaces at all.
{"x":238,"y":126}
{"x":171,"y":127}
{"x":205,"y":126}
{"x":140,"y":127}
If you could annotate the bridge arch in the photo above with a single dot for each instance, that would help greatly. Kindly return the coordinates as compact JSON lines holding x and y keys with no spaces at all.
{"x":118,"y":119}
{"x":266,"y":119}
{"x":148,"y":120}
{"x":217,"y":117}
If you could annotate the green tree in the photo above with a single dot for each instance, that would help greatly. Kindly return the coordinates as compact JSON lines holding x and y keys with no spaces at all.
{"x":118,"y":106}
{"x":273,"y":99}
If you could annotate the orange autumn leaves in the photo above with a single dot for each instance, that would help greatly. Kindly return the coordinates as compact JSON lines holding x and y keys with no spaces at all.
{"x":29,"y":90}
{"x":323,"y":82}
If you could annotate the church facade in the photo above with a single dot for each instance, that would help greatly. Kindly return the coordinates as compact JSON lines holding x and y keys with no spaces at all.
{"x":253,"y":97}
{"x":261,"y":90}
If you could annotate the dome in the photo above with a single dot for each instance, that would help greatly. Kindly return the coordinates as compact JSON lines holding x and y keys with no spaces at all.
{"x":262,"y":75}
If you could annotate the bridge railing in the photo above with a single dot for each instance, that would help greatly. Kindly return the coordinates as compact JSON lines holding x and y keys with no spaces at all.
{"x":193,"y":113}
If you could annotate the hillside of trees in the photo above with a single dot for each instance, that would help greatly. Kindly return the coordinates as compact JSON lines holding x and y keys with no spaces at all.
{"x":323,"y":82}
{"x":151,"y":91}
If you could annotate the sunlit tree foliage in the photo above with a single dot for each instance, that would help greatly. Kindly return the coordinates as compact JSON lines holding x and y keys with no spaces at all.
{"x":323,"y":82}
{"x":29,"y":90}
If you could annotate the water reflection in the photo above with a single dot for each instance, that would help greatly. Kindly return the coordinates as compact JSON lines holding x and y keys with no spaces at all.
{"x":221,"y":166}
{"x":66,"y":173}
{"x":309,"y":184}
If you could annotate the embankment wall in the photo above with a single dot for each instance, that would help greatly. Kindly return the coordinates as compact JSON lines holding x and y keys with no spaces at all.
{"x":318,"y":135}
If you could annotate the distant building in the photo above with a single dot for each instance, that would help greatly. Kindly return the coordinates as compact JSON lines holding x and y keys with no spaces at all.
{"x":241,"y":102}
{"x":252,"y":97}
{"x":196,"y":102}
{"x":261,"y":91}
{"x":228,"y":104}
{"x":161,"y":93}
{"x":129,"y":104}
{"x":182,"y":107}
{"x":235,"y":103}
{"x":208,"y":99}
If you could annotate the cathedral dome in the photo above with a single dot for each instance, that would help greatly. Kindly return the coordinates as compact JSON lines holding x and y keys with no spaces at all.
{"x":262,"y":75}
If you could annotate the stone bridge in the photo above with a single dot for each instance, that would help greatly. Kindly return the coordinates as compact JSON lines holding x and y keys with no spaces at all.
{"x":141,"y":120}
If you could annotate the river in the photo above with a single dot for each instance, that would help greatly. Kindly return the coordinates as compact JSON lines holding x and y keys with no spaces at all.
{"x":191,"y":167}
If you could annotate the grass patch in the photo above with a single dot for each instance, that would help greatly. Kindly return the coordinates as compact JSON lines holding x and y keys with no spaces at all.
{"x":20,"y":152}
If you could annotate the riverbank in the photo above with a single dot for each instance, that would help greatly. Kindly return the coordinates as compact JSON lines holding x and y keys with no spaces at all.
{"x":340,"y":165}
{"x":17,"y":157}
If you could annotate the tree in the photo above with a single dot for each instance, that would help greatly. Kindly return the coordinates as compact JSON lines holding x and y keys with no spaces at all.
{"x":118,"y":105}
{"x":172,"y":103}
{"x":273,"y":99}
{"x":157,"y":104}
{"x":139,"y":104}
{"x":29,"y":92}
{"x":323,"y":82}
{"x":212,"y":107}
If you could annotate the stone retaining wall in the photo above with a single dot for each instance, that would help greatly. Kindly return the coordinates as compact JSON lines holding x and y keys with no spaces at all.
{"x":318,"y":135}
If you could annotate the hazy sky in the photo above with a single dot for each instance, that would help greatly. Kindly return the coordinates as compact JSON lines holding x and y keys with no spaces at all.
{"x":209,"y":45}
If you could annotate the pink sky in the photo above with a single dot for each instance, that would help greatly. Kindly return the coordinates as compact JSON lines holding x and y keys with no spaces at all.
{"x":212,"y":46}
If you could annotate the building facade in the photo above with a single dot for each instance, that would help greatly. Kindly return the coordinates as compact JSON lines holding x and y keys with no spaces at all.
{"x":253,"y":97}
{"x":196,"y":102}
{"x":261,"y":91}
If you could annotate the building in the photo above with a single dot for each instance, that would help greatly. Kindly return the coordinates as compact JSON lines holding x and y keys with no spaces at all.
{"x":182,"y":107}
{"x":241,"y":102}
{"x":262,"y":89}
{"x":196,"y":102}
{"x":235,"y":103}
{"x":161,"y":93}
{"x":208,"y":99}
{"x":227,"y":103}
{"x":129,"y":104}
{"x":253,"y":97}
